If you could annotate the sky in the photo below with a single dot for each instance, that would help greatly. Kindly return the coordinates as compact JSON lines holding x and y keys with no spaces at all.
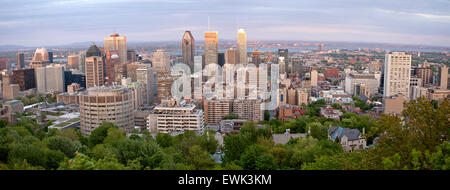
{"x":61,"y":22}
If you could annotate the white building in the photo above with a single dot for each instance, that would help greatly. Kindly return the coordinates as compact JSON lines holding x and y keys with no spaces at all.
{"x":174,"y":116}
{"x":49,"y":79}
{"x":369,"y":81}
{"x":397,"y":74}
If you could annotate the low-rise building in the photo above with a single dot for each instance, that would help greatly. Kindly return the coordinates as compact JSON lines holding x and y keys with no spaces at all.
{"x":231,"y":126}
{"x":174,"y":116}
{"x":350,"y":139}
{"x":331,"y":113}
{"x":287,"y":112}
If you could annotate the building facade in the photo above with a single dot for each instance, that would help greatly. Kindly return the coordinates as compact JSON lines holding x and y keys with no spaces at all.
{"x":110,"y":104}
{"x":397,"y":74}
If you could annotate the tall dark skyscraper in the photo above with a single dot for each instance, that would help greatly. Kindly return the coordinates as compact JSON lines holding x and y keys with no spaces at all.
{"x":188,"y":48}
{"x":284,"y":53}
{"x":20,"y":60}
{"x":67,"y":79}
{"x":50,"y":56}
{"x":25,"y":78}
{"x":221,"y":57}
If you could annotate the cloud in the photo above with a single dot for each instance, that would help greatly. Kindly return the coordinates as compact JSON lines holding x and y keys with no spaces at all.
{"x":431,"y":17}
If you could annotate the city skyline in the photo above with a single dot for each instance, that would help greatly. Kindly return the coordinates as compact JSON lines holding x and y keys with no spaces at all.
{"x":65,"y":22}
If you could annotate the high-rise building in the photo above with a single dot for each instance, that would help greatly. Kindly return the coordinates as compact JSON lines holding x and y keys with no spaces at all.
{"x":3,"y":64}
{"x":211,"y":47}
{"x":443,"y":77}
{"x":95,"y":108}
{"x":302,"y":96}
{"x":20,"y":60}
{"x":94,"y":67}
{"x":117,"y":43}
{"x":49,"y":79}
{"x":132,"y":70}
{"x":426,"y":74}
{"x":256,"y":57}
{"x":25,"y":78}
{"x":314,"y":78}
{"x":231,"y":56}
{"x":397,"y":71}
{"x":40,"y":58}
{"x":72,"y":61}
{"x":11,"y":91}
{"x":164,"y":86}
{"x":173,"y":116}
{"x":291,"y":98}
{"x":111,"y":60}
{"x":248,"y":109}
{"x":82,"y":62}
{"x":148,"y":78}
{"x":67,"y":79}
{"x":131,"y":56}
{"x":242,"y":46}
{"x":188,"y":49}
{"x":284,"y":53}
{"x":221,"y":59}
{"x":79,"y":78}
{"x":215,"y":110}
{"x":50,"y":57}
{"x":161,"y":61}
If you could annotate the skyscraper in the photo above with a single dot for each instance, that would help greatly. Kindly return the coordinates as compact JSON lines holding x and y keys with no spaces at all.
{"x":118,"y":43}
{"x":94,"y":67}
{"x":314,"y":75}
{"x":50,"y":57}
{"x":40,"y":58}
{"x":188,"y":48}
{"x":161,"y":61}
{"x":443,"y":77}
{"x":231,"y":56}
{"x":397,"y":71}
{"x":72,"y":61}
{"x":211,"y":47}
{"x":112,"y":60}
{"x":147,"y":77}
{"x":242,"y":46}
{"x":256,"y":57}
{"x":50,"y":79}
{"x":283,"y":53}
{"x":20,"y":60}
{"x":25,"y":78}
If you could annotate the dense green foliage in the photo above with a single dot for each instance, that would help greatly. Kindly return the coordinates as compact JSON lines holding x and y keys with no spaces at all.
{"x":418,"y":142}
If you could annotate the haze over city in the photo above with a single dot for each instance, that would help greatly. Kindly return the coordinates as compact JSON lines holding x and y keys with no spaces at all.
{"x":44,"y":23}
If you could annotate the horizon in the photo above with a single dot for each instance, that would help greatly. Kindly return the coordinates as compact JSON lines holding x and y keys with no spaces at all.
{"x":58,"y":23}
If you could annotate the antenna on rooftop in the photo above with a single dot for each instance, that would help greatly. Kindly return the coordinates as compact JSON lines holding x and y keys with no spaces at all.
{"x":208,"y":24}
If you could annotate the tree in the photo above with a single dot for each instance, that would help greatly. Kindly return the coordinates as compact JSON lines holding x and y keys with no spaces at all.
{"x":266,"y":115}
{"x":208,"y":142}
{"x":63,"y":144}
{"x":230,"y":116}
{"x":164,"y":140}
{"x":99,"y":134}
{"x":405,"y":144}
{"x":318,"y":131}
{"x":199,"y":158}
{"x":249,"y":159}
{"x":31,"y":153}
{"x":114,"y":134}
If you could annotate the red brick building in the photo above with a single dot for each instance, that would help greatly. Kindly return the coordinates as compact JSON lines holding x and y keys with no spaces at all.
{"x":331,"y":73}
